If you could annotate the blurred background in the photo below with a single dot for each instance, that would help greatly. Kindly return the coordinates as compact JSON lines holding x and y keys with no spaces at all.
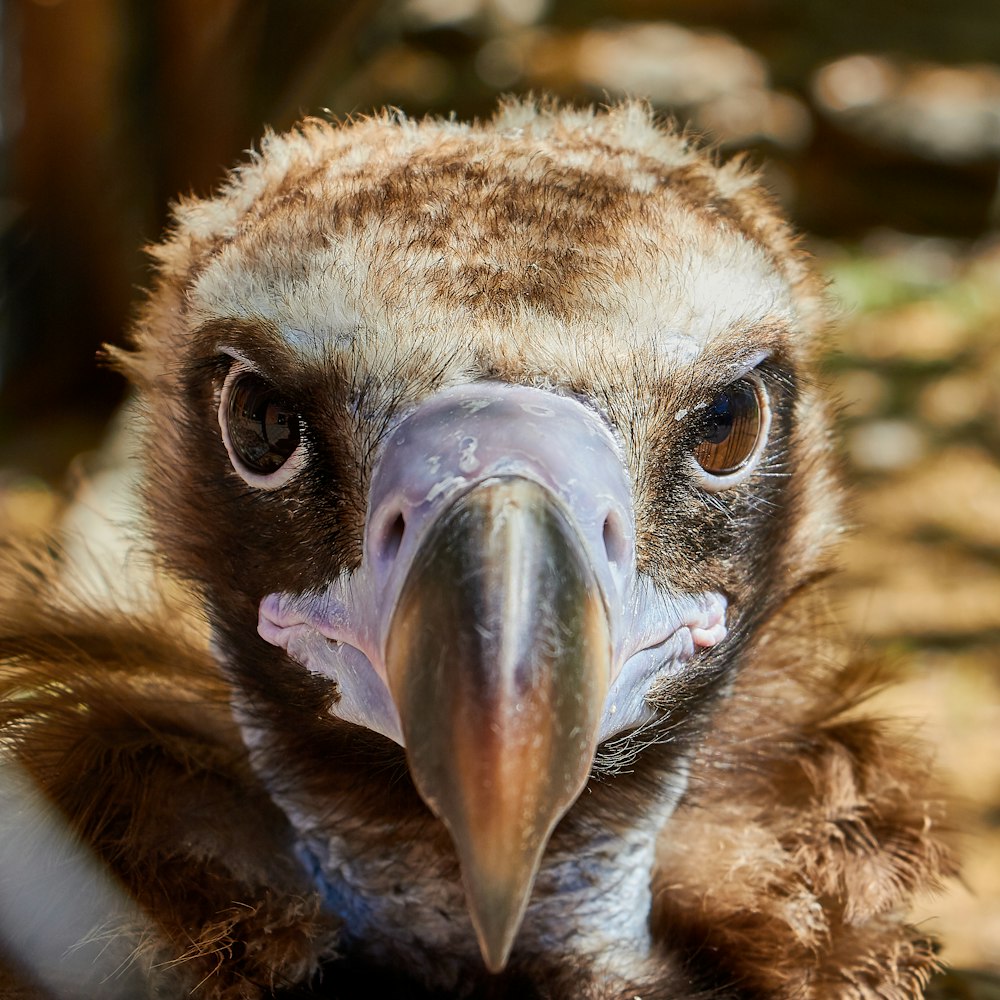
{"x":877,"y":123}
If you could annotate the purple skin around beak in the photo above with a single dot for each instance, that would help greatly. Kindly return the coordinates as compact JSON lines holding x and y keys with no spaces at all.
{"x":497,"y":626}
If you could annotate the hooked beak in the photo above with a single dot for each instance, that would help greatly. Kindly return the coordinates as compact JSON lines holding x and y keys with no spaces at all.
{"x":498,"y":658}
{"x":497,"y":627}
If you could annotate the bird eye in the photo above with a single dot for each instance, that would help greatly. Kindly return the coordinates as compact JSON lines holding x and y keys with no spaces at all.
{"x":261,"y":428}
{"x":732,"y":427}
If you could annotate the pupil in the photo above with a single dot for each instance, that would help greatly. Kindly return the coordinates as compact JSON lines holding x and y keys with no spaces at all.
{"x":264,"y":429}
{"x":719,"y":424}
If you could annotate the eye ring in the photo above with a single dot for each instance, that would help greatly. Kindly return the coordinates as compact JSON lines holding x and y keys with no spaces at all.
{"x":261,"y":430}
{"x":735,"y":428}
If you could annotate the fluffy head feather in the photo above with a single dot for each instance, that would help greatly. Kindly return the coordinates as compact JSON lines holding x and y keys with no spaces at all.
{"x":592,"y":252}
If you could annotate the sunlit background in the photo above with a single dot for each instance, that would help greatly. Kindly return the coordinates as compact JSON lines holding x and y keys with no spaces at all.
{"x":877,"y":123}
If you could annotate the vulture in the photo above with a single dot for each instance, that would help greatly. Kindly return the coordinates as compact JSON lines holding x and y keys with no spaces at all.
{"x":489,"y":495}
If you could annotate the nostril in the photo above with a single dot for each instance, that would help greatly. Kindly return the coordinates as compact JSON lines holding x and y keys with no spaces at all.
{"x":614,"y":540}
{"x":392,"y":538}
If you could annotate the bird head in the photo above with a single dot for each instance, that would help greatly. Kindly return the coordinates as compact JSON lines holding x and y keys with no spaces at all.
{"x":485,"y":448}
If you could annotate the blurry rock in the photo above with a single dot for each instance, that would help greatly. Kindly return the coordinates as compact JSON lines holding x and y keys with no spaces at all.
{"x":752,"y":115}
{"x":902,"y":590}
{"x":945,"y":113}
{"x":885,"y":445}
{"x":954,"y":401}
{"x":925,"y":260}
{"x":705,"y":77}
{"x":519,"y":12}
{"x":956,"y":493}
{"x":439,"y":12}
{"x":670,"y":64}
{"x":921,"y":332}
{"x":862,"y":393}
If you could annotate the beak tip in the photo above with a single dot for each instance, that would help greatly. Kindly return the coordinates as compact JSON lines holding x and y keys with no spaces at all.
{"x":494,"y":960}
{"x":496,"y":927}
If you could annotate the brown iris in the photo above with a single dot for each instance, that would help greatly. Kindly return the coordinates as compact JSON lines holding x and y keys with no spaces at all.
{"x":730,"y":429}
{"x":263,"y":427}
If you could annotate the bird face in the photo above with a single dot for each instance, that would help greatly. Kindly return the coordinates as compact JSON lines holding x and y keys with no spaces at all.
{"x":482,"y":445}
